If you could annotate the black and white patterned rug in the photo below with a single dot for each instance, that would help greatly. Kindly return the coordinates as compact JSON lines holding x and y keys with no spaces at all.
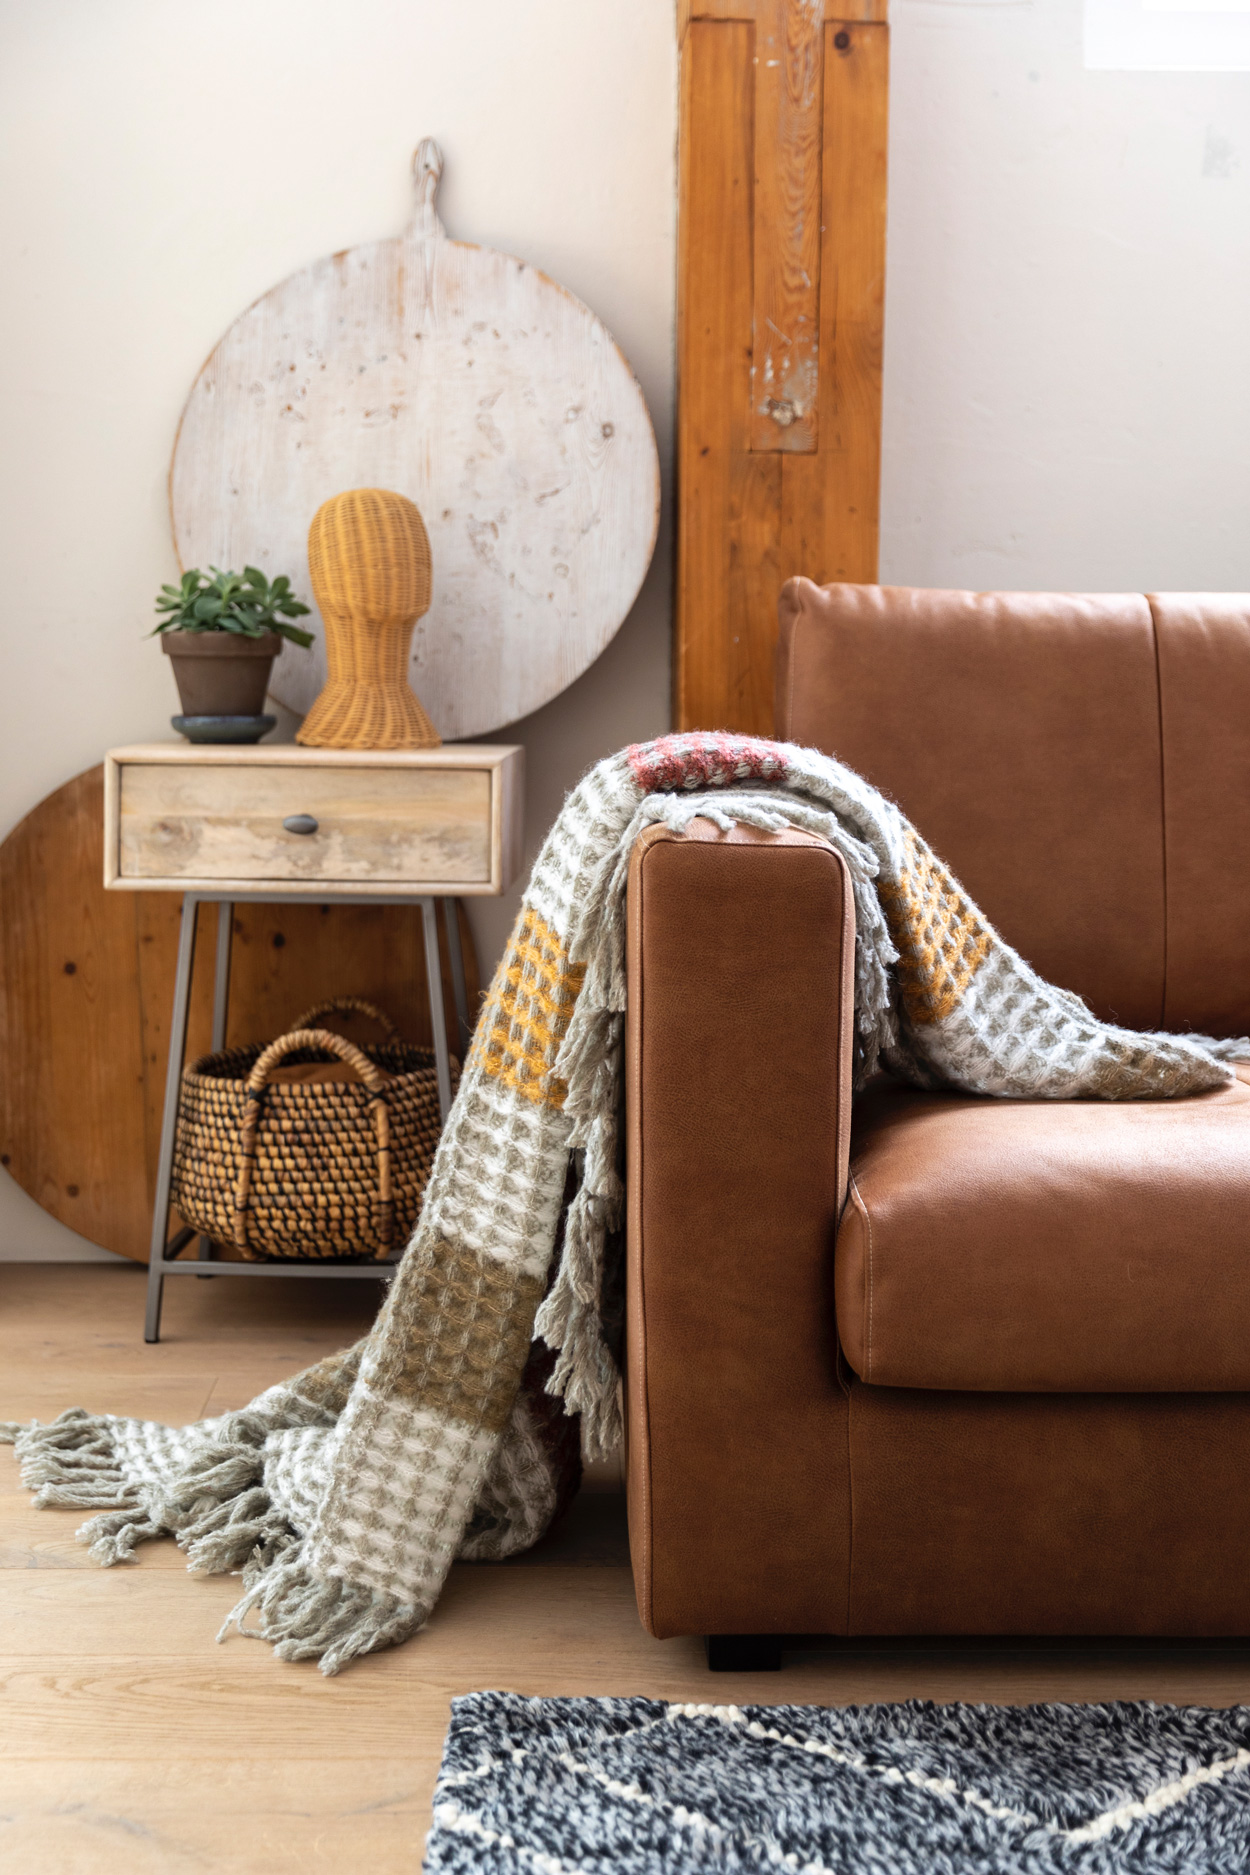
{"x":584,"y":1786}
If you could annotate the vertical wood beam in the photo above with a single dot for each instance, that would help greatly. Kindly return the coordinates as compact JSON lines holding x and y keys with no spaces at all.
{"x":852,"y":316}
{"x":749,"y":517}
{"x":828,"y":516}
{"x":785,"y":364}
{"x":713,"y":359}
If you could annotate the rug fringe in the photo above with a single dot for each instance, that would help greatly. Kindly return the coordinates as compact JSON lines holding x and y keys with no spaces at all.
{"x":304,"y":1617}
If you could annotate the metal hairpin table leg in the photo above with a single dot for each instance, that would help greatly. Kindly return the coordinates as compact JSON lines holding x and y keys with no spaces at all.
{"x":438,"y":1020}
{"x":221,"y":978}
{"x":169,"y":1119}
{"x":221,"y":1004}
{"x":455,"y":946}
{"x":166,"y":1253}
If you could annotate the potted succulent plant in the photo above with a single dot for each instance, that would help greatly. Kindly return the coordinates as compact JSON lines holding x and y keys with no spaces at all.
{"x":222,"y":632}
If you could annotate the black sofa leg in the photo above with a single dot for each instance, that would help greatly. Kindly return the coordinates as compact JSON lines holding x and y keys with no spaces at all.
{"x":744,"y":1653}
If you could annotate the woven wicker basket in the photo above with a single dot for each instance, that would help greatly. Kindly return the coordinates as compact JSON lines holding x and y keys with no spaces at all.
{"x":308,"y":1168}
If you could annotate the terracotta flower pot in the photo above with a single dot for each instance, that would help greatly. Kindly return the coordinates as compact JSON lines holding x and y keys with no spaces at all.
{"x":221,"y":673}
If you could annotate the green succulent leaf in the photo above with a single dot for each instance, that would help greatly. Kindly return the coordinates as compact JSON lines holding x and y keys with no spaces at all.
{"x":247,"y":604}
{"x":293,"y":632}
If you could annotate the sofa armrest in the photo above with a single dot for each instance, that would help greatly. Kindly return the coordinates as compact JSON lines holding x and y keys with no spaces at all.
{"x":738,"y":1065}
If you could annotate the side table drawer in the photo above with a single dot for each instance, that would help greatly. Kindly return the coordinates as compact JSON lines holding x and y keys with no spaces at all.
{"x":181,"y":822}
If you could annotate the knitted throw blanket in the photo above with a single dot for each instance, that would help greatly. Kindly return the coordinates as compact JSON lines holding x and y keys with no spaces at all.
{"x":344,"y":1494}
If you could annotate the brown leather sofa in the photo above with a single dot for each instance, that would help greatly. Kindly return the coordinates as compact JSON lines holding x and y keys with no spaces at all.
{"x":934,"y":1364}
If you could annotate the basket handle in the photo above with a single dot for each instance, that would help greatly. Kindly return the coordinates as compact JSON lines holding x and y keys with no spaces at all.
{"x":347,"y":1006}
{"x":254,"y":1098}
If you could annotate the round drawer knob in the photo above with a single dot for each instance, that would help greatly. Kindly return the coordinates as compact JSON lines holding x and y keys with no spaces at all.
{"x":300,"y":823}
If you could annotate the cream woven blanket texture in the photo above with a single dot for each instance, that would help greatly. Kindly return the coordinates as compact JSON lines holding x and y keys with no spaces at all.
{"x":344,"y":1495}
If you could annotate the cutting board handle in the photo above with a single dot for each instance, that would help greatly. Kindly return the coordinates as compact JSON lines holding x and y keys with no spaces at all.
{"x":427,"y":171}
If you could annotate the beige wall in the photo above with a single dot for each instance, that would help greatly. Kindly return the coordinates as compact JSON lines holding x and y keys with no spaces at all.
{"x":1067,"y":367}
{"x":166,"y":161}
{"x":1067,"y":373}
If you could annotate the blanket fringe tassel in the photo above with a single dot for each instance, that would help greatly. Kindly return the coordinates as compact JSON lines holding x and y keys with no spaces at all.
{"x":70,"y":1463}
{"x":570,"y":1318}
{"x":306,"y":1618}
{"x":224,"y":1520}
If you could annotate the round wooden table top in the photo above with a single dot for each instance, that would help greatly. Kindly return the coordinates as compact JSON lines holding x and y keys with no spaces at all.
{"x":86,"y":993}
{"x":486,"y":393}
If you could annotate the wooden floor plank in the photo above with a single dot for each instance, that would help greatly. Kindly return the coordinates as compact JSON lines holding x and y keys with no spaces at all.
{"x":176,"y":1398}
{"x":130,"y":1742}
{"x":47,"y":1614}
{"x":229,"y":1816}
{"x":592,"y":1533}
{"x":211,"y":1704}
{"x":70,"y":1650}
{"x":231,"y":1391}
{"x":45,"y":1539}
{"x":90,"y":1318}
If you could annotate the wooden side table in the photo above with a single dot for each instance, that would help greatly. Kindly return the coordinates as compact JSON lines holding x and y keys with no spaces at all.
{"x":224,"y":824}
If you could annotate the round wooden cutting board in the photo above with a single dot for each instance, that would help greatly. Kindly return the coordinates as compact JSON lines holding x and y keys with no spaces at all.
{"x":86,"y":990}
{"x":483,"y":391}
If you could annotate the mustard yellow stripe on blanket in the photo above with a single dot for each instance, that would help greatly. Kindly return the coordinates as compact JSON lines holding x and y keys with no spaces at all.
{"x":941,"y":939}
{"x":526,"y":1014}
{"x":524,"y":958}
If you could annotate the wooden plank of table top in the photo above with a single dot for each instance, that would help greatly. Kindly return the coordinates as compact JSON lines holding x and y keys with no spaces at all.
{"x":293,"y":755}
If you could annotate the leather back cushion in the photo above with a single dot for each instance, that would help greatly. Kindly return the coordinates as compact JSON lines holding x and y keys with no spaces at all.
{"x":1081,"y":761}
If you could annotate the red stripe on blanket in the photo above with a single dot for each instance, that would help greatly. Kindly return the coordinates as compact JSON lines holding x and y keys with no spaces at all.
{"x":704,"y":759}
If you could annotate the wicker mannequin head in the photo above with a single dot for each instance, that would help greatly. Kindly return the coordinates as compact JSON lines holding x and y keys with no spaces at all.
{"x":369,"y":557}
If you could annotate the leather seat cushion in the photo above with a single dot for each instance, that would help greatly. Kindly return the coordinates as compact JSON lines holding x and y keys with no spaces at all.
{"x":1048,"y":1246}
